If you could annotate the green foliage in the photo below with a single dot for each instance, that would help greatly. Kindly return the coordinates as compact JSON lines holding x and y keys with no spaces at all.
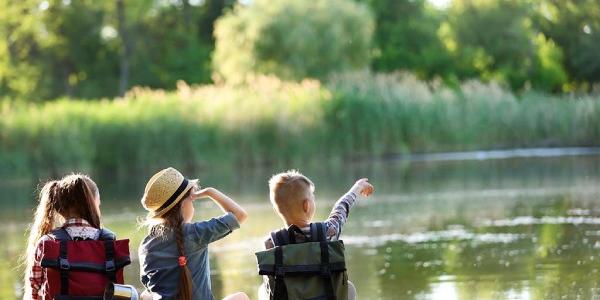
{"x":174,"y":42}
{"x":292,"y":39}
{"x":406,"y":38}
{"x":549,"y":73}
{"x":277,"y":122}
{"x":92,"y":49}
{"x":575,"y":27}
{"x":491,"y":39}
{"x":499,"y":40}
{"x":54,"y":49}
{"x":74,"y":48}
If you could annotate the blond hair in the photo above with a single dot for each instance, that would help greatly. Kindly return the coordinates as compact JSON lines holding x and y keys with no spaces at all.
{"x":288,"y":190}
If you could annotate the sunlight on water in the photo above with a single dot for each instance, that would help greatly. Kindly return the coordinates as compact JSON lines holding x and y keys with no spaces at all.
{"x":502,"y":229}
{"x":444,"y":290}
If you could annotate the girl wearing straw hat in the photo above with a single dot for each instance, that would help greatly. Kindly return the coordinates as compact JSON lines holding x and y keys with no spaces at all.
{"x":174,"y":254}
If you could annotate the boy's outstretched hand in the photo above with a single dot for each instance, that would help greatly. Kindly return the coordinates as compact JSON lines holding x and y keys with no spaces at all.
{"x":363,"y":187}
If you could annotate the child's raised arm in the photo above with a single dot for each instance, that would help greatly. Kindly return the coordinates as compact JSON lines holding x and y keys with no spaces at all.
{"x":339,"y":213}
{"x":227,"y":204}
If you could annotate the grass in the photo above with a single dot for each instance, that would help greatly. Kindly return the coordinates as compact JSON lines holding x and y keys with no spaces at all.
{"x":274,"y":122}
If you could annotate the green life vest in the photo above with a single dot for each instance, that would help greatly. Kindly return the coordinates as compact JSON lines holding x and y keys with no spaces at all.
{"x":311,"y":270}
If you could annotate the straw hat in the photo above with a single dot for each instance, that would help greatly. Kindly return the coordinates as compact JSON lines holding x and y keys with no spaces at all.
{"x":164,"y":190}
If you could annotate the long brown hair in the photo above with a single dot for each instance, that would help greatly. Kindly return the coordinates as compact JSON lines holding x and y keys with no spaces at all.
{"x":71,"y":196}
{"x":172,"y":221}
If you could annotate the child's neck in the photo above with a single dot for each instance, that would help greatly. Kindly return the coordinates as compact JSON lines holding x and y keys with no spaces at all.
{"x":70,"y":216}
{"x":300,"y":223}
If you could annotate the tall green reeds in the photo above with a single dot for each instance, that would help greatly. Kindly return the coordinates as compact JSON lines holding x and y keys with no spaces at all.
{"x":275,"y":122}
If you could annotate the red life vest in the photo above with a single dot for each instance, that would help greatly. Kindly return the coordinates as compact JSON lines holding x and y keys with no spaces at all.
{"x":81,"y":269}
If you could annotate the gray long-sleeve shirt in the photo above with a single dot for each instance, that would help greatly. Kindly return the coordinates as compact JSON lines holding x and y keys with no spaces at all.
{"x":334,"y":223}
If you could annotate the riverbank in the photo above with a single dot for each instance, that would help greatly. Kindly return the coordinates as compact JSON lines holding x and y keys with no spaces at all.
{"x":284,"y":124}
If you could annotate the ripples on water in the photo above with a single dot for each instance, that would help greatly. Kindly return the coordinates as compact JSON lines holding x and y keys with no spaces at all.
{"x":499,"y":229}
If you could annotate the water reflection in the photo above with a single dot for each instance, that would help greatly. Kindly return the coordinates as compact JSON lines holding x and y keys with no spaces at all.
{"x":504,"y":229}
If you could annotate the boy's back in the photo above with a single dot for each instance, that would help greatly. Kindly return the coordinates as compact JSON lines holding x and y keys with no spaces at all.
{"x":292,"y":195}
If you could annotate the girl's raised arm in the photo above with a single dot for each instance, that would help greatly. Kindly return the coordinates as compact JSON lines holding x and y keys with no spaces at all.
{"x":227,"y":204}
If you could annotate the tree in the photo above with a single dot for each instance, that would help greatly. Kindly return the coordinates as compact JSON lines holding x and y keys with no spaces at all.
{"x":292,"y":39}
{"x":90,"y":49}
{"x":126,"y":48}
{"x":575,"y":27}
{"x":491,"y":39}
{"x":55,"y":48}
{"x":406,"y":38}
{"x":174,"y":42}
{"x":19,"y":47}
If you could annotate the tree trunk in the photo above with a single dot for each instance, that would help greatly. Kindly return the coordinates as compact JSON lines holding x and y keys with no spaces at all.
{"x":126,"y":50}
{"x":186,"y":15}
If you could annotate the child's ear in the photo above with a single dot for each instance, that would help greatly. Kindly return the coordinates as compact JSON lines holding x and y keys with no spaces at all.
{"x":305,"y":205}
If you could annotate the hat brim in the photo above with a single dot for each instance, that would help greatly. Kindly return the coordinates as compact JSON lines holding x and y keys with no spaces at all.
{"x":158,"y":214}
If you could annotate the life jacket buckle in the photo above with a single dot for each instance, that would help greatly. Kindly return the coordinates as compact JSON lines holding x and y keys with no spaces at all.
{"x":64,"y":264}
{"x":110,"y":266}
{"x":325,"y":271}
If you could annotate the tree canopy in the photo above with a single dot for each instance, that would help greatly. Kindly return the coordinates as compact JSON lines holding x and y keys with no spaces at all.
{"x":91,"y":49}
{"x":292,"y":39}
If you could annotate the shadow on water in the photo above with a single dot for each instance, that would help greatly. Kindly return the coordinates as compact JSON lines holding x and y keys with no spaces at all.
{"x":526,"y":228}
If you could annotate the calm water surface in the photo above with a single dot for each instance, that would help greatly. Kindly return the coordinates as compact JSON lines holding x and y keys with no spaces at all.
{"x":497,"y":229}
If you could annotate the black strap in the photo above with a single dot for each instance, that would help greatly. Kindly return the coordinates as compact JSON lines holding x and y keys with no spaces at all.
{"x":109,"y":253}
{"x":279,"y":292}
{"x":293,"y":270}
{"x":120,"y":263}
{"x":110,"y":266}
{"x":313,"y":232}
{"x":280,"y":237}
{"x":60,"y":234}
{"x":325,"y":270}
{"x":292,"y":231}
{"x":106,"y":235}
{"x":64,"y":267}
{"x":318,"y":232}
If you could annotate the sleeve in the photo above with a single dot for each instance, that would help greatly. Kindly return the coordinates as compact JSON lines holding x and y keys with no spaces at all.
{"x":206,"y":232}
{"x":269,"y":243}
{"x":148,"y":278}
{"x":339,"y":214}
{"x":36,"y":273}
{"x":145,"y":278}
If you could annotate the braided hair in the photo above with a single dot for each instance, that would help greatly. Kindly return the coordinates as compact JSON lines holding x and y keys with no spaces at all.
{"x":173,"y":222}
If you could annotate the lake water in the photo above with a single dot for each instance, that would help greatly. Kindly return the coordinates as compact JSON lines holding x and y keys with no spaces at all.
{"x":525,"y":228}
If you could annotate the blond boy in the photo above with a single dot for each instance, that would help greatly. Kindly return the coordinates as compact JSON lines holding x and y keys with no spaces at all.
{"x":292,"y":196}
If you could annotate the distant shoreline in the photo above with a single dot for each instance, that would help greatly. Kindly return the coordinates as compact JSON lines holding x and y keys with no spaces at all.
{"x":498,"y":154}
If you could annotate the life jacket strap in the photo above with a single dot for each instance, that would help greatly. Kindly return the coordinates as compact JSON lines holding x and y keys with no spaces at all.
{"x":280,"y":290}
{"x":64,"y":267}
{"x":326,"y":271}
{"x":110,"y":266}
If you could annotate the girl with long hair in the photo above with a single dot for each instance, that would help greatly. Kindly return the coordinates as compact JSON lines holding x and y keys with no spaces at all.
{"x":74,"y":202}
{"x":174,"y":254}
